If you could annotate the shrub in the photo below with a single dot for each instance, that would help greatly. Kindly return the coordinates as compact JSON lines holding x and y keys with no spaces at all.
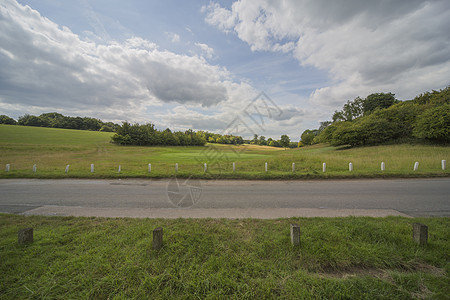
{"x":434,"y":124}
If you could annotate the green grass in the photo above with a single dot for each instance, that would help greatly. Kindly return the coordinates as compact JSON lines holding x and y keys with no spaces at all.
{"x":339,"y":258}
{"x":52,"y":149}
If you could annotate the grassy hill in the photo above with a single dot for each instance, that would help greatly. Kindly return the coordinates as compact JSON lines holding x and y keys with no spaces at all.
{"x":52,"y":149}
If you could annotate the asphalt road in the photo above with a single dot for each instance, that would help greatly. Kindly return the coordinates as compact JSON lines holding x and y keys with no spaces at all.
{"x":414,"y":197}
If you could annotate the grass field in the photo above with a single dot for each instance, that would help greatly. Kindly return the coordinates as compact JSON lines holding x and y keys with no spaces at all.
{"x":52,"y":149}
{"x":339,"y":258}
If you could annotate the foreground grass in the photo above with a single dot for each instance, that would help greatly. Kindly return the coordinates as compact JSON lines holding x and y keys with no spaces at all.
{"x":52,"y":149}
{"x":351,"y":258}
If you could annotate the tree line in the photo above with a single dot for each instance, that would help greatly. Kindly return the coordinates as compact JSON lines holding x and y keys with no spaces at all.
{"x":284,"y":141}
{"x":381,"y":118}
{"x":57,"y":120}
{"x":142,"y":135}
{"x":148,"y":135}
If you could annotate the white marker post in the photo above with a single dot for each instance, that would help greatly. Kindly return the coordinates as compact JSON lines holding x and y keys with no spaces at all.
{"x":350,"y":167}
{"x":324,"y":167}
{"x":92,"y":168}
{"x":205,"y":168}
{"x":416,"y":166}
{"x":265,"y":167}
{"x":293,"y":167}
{"x":149,"y":168}
{"x":234,"y":167}
{"x":443,"y":164}
{"x":176,"y":167}
{"x":34,"y":168}
{"x":120,"y":169}
{"x":67,"y":169}
{"x":383,"y":166}
{"x":8,"y":167}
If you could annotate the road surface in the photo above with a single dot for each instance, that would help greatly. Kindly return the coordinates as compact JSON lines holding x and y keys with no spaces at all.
{"x":190,"y":198}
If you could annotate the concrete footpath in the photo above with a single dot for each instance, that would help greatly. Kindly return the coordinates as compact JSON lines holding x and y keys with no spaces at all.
{"x":215,"y":213}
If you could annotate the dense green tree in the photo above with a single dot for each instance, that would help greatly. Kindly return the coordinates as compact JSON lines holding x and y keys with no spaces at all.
{"x":351,"y":110}
{"x":324,"y":125}
{"x":434,"y":98}
{"x":377,"y":101}
{"x":274,"y":143}
{"x":30,"y":120}
{"x":262,"y":140}
{"x":148,"y":135}
{"x":7,"y":120}
{"x":308,"y":136}
{"x":254,"y":140}
{"x":284,"y":141}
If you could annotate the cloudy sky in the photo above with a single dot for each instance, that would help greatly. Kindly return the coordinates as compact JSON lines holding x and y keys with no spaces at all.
{"x":199,"y":64}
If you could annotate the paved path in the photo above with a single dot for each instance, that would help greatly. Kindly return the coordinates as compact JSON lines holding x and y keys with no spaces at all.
{"x":231,"y":198}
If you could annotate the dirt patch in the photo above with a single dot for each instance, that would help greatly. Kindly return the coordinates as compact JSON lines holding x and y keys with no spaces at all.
{"x":380,"y":273}
{"x":356,"y":272}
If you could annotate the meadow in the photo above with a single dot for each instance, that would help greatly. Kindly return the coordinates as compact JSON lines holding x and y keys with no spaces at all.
{"x":339,"y":258}
{"x":52,"y":149}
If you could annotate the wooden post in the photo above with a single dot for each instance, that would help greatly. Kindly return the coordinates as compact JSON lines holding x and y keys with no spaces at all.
{"x":157,"y":238}
{"x":420,"y":233}
{"x":295,"y":235}
{"x":25,"y":236}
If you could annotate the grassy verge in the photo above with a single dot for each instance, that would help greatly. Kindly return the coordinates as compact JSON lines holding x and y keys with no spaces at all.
{"x":351,"y":258}
{"x":52,"y":149}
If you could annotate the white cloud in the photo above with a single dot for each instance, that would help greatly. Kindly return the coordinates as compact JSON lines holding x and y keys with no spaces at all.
{"x":220,"y":17}
{"x":175,"y":38}
{"x":44,"y":65}
{"x":182,"y":117}
{"x":207,"y":51}
{"x":366,"y":46}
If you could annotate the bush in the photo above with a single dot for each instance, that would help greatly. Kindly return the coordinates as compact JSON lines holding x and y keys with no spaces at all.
{"x":434,"y":124}
{"x":367,"y":131}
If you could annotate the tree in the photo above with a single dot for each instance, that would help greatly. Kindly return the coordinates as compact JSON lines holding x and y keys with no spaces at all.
{"x":338,"y":116}
{"x":7,"y":120}
{"x":30,"y":120}
{"x":255,"y":139}
{"x":284,"y":141}
{"x":351,"y":110}
{"x":324,"y":125}
{"x":378,"y":100}
{"x":274,"y":143}
{"x":262,"y":140}
{"x":308,"y":136}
